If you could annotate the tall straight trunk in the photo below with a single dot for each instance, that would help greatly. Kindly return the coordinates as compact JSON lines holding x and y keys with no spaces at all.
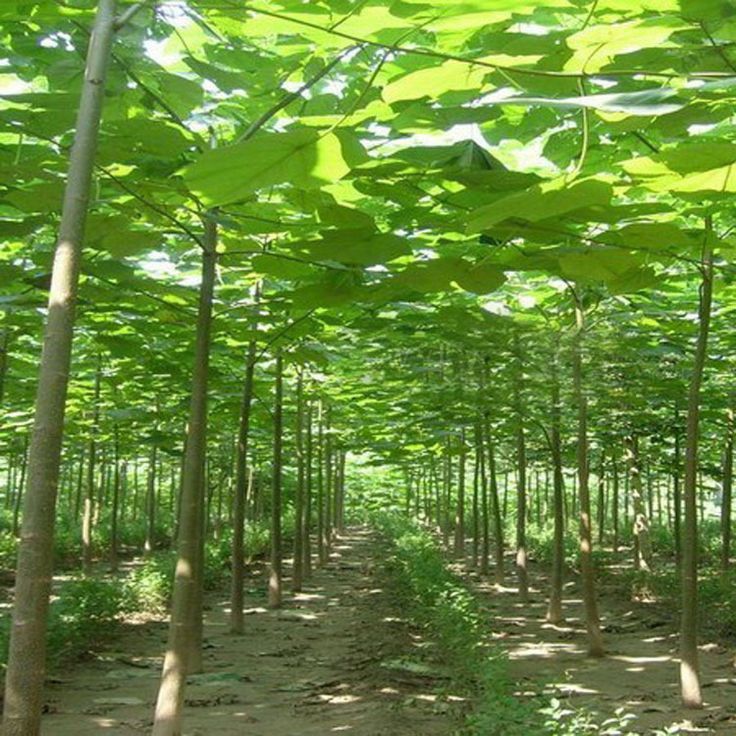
{"x":476,"y":505}
{"x":240,"y":494}
{"x":18,"y":500}
{"x":642,"y":544}
{"x":554,"y":610}
{"x":149,"y":542}
{"x":321,"y":547}
{"x":460,"y":505}
{"x":521,"y":498}
{"x":89,"y":499}
{"x":446,"y":492}
{"x":27,"y":653}
{"x":184,"y":647}
{"x":677,"y":493}
{"x":274,"y":578}
{"x":601,"y":504}
{"x":689,"y":669}
{"x":115,"y":500}
{"x":329,"y":480}
{"x":307,"y":553}
{"x":4,"y":348}
{"x":495,"y":506}
{"x":486,"y":545}
{"x":614,"y":502}
{"x":727,"y":493}
{"x":587,"y":573}
{"x":297,"y":577}
{"x":340,"y":521}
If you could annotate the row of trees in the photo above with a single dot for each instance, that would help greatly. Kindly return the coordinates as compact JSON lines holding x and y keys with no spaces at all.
{"x":248,"y":181}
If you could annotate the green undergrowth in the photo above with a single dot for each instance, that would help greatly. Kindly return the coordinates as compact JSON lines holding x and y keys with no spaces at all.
{"x":439,"y":602}
{"x":87,"y":611}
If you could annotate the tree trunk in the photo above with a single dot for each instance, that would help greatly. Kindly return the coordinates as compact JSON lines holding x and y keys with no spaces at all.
{"x":18,"y":500}
{"x":183,"y":652}
{"x":321,"y":546}
{"x":307,"y":554}
{"x":495,"y":506}
{"x":642,"y":545}
{"x":297,"y":578}
{"x":476,"y":509}
{"x":554,"y":610}
{"x":27,"y":653}
{"x":521,"y":510}
{"x":676,"y":493}
{"x":89,"y":499}
{"x":115,"y":501}
{"x":587,"y":573}
{"x":4,"y":347}
{"x":614,"y":502}
{"x":460,"y":506}
{"x":689,"y":669}
{"x":727,"y":492}
{"x":241,"y":485}
{"x":149,"y":542}
{"x":486,"y":546}
{"x":274,"y":579}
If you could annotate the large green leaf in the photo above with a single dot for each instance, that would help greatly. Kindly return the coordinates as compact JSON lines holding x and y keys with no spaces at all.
{"x":304,"y":158}
{"x":551,"y":199}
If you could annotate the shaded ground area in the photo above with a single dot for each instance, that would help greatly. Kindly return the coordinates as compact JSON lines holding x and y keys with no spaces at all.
{"x":640,"y":672}
{"x":336,"y":659}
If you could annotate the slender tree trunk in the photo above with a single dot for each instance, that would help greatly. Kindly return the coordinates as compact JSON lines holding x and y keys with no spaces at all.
{"x":27,"y":654}
{"x":486,"y":547}
{"x":89,"y":499}
{"x":274,"y":580}
{"x":460,"y":506}
{"x":476,"y":505}
{"x":727,"y":489}
{"x":115,"y":501}
{"x":614,"y":503}
{"x":17,"y":501}
{"x":521,"y":498}
{"x":689,"y":669}
{"x":149,"y":542}
{"x":4,"y":348}
{"x":642,"y":545}
{"x":321,"y":546}
{"x":240,"y":495}
{"x":307,"y":554}
{"x":676,"y":493}
{"x":498,"y":567}
{"x":554,"y":610}
{"x":297,"y":578}
{"x":587,"y":573}
{"x":601,"y":505}
{"x":184,"y":650}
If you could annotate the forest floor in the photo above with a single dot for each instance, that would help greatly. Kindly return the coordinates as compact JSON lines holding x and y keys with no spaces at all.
{"x":337,"y":658}
{"x":640,"y":673}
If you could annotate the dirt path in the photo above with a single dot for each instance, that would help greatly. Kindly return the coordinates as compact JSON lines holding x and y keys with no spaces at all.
{"x":318,"y":666}
{"x":640,"y":672}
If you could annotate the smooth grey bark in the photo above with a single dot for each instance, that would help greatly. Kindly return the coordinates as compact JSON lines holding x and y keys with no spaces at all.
{"x":275,"y":572}
{"x":184,"y":646}
{"x":587,"y":572}
{"x":297,"y":578}
{"x":727,"y":488}
{"x":554,"y":609}
{"x":460,"y":504}
{"x":642,"y":544}
{"x":689,"y":667}
{"x":116,"y":499}
{"x":27,"y":651}
{"x":521,"y":496}
{"x":89,"y":498}
{"x":240,"y":494}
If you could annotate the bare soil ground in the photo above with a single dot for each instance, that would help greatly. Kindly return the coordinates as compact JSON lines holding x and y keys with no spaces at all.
{"x":640,"y":672}
{"x":337,"y":658}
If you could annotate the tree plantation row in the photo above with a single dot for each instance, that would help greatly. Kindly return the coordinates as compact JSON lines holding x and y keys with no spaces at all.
{"x":268,"y":268}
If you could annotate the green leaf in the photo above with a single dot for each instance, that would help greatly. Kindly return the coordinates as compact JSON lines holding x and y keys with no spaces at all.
{"x":542,"y":201}
{"x":302,"y":157}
